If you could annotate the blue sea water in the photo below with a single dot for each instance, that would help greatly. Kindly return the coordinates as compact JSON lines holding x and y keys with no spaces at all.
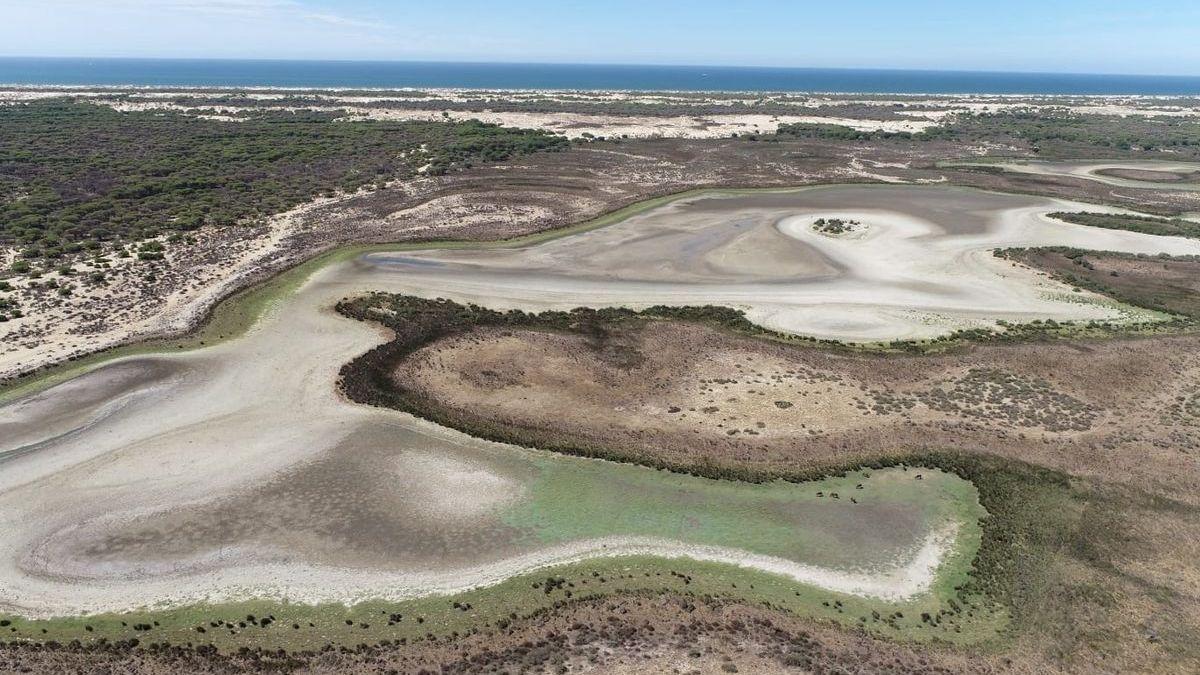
{"x":394,"y":74}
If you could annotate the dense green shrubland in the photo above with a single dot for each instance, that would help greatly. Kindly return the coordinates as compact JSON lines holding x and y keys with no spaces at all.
{"x":73,"y":175}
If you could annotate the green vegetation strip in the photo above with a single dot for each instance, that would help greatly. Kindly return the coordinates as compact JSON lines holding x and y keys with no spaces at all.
{"x":1064,"y":133}
{"x":1167,"y":227}
{"x":1035,"y":519}
{"x":300,"y":627}
{"x":1050,"y":133}
{"x":838,"y":132}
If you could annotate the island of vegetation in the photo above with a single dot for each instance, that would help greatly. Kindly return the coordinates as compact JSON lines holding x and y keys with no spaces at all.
{"x":836,"y":226}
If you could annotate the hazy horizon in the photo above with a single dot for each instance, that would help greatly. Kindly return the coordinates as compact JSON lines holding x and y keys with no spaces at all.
{"x":1155,"y":37}
{"x":612,"y":64}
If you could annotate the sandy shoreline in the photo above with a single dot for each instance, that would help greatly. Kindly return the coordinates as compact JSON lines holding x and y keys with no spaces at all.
{"x":904,"y":580}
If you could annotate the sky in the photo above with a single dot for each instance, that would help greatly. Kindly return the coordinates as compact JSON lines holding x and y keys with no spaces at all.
{"x":1075,"y":36}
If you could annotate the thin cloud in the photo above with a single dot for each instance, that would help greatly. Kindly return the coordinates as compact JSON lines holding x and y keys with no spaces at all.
{"x":241,"y":7}
{"x":339,"y":20}
{"x":302,"y":29}
{"x":292,"y":10}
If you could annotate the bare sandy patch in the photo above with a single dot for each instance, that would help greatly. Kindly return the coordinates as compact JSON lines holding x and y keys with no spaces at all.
{"x":452,"y":487}
{"x":923,"y":266}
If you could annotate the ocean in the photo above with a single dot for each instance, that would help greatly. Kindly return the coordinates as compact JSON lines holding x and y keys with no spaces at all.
{"x":396,"y":74}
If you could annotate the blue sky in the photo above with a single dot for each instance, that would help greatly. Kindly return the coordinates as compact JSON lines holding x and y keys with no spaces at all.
{"x":1145,"y":36}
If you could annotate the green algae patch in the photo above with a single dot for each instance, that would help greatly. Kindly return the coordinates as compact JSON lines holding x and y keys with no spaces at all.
{"x":851,"y":522}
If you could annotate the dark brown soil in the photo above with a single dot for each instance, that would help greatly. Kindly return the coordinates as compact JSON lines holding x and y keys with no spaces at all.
{"x":1152,"y":175}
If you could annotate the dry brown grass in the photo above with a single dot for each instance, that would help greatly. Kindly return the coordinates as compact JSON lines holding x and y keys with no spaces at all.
{"x":1114,"y":411}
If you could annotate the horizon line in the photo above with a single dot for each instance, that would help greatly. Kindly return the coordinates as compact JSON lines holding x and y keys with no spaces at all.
{"x":599,"y":64}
